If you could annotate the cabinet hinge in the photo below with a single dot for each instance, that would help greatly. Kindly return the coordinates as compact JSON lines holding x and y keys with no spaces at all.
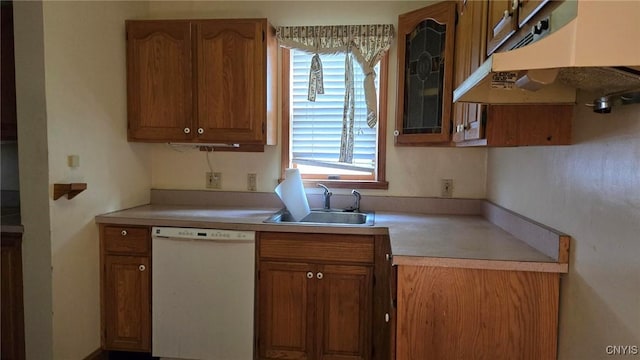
{"x":258,"y":274}
{"x":457,"y":17}
{"x":374,"y":280}
{"x":262,"y":35}
{"x":263,"y":128}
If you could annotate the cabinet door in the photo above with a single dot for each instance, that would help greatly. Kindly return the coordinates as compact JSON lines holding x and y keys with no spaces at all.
{"x":528,"y":8}
{"x":12,"y":318}
{"x":159,"y":86}
{"x":503,"y":22}
{"x":127,"y":303}
{"x":344,"y":312}
{"x":285,"y":310}
{"x":453,"y":313}
{"x":470,"y":53}
{"x":231,"y":75}
{"x":425,"y":74}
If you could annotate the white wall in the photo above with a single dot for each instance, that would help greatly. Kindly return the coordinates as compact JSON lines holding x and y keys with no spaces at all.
{"x":34,"y":178}
{"x":591,"y":191}
{"x":411,"y":171}
{"x":83,"y":81}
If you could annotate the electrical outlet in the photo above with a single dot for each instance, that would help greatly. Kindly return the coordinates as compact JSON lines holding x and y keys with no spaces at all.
{"x":446,"y":188}
{"x":214,"y":180}
{"x":252,"y":180}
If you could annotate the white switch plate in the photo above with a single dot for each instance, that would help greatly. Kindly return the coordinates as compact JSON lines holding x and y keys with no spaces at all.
{"x":73,"y":161}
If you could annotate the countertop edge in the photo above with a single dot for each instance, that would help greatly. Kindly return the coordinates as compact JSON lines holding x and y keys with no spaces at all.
{"x":486,"y":264}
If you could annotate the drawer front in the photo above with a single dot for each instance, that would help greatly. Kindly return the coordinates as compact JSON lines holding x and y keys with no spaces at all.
{"x":125,"y":239}
{"x":317,"y":247}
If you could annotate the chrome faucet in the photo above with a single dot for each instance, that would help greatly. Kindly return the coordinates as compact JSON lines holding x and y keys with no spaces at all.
{"x":356,"y":204}
{"x":327,"y":196}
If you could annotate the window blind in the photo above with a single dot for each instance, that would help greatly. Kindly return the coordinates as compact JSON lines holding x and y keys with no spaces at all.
{"x":316,"y":126}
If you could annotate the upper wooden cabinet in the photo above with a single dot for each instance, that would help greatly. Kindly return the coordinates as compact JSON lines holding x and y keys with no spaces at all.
{"x":503,"y":22}
{"x":201,"y":81}
{"x":469,"y":55}
{"x":506,"y":17}
{"x":425,"y":74}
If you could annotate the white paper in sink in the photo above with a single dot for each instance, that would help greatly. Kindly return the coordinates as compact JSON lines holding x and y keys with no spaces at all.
{"x":291,"y":192}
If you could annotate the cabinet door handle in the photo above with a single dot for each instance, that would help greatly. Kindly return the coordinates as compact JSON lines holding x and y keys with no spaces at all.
{"x":200,"y":131}
{"x":123,"y":233}
{"x":187,"y":130}
{"x":309,"y":275}
{"x":142,"y":268}
{"x":319,"y":276}
{"x":515,"y":4}
{"x":387,"y":257}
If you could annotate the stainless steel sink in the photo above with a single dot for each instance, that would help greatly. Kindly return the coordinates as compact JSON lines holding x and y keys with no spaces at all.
{"x":325,"y":217}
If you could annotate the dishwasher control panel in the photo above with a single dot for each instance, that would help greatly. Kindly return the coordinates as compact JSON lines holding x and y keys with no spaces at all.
{"x":204,"y":234}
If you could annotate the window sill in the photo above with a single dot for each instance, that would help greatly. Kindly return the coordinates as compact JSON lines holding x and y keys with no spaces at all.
{"x":347,"y":184}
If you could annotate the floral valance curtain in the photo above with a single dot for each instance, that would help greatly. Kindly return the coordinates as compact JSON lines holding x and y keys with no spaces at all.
{"x":367,"y":43}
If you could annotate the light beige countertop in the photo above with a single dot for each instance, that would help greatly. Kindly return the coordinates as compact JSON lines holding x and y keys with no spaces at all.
{"x":416,"y":239}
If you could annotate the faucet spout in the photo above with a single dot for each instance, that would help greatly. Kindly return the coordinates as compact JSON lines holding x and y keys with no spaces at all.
{"x":327,"y":196}
{"x":356,"y":205}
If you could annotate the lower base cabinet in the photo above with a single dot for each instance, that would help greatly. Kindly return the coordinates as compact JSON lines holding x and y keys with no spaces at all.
{"x":126,"y":288}
{"x":453,"y":313}
{"x":315,"y":297}
{"x":12,"y":331}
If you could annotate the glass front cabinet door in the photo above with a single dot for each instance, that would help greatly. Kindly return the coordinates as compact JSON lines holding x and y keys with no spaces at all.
{"x":425,"y":73}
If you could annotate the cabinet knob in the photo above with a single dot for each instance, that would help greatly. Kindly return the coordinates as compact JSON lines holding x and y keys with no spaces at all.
{"x":515,"y":4}
{"x":187,"y":130}
{"x":123,"y":233}
{"x":386,"y":317}
{"x":319,"y":275}
{"x":396,"y":133}
{"x":142,"y":268}
{"x":387,"y":256}
{"x":200,"y":131}
{"x":309,"y":275}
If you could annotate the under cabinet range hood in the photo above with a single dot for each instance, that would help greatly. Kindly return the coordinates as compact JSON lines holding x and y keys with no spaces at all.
{"x":590,"y":45}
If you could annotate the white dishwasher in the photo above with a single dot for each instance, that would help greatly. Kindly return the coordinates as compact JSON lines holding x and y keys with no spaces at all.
{"x":202,"y":293}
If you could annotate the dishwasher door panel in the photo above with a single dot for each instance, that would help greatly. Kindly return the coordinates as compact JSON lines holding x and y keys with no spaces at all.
{"x":202,"y":299}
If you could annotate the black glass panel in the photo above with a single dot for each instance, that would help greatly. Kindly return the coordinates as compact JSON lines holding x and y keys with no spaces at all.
{"x":424,"y":76}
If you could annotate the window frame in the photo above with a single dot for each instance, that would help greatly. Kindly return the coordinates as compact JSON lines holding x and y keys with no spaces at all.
{"x":347,"y":181}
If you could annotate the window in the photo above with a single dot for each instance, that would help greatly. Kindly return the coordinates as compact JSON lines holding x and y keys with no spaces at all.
{"x":312,"y":130}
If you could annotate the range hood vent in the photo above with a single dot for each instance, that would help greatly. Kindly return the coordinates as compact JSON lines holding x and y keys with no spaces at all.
{"x":591,"y":45}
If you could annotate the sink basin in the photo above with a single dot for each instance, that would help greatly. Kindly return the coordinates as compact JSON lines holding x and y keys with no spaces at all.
{"x":325,"y":217}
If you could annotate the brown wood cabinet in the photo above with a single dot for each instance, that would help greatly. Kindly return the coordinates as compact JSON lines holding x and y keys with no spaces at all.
{"x":503,"y":22}
{"x":12,"y":298}
{"x":126,"y":287}
{"x":201,"y":81}
{"x":425,"y":75}
{"x":499,"y":125}
{"x":469,"y":55}
{"x":8,"y":115}
{"x":315,"y":296}
{"x":453,"y":313}
{"x":506,"y":17}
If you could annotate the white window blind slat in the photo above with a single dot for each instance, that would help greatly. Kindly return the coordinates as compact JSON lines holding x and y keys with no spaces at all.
{"x":316,"y":127}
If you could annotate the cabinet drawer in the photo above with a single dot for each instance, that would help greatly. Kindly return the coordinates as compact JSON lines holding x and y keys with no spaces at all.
{"x":125,"y":239}
{"x":317,"y":247}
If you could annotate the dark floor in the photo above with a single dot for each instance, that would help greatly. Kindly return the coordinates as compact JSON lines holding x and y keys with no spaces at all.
{"x":122,"y":355}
